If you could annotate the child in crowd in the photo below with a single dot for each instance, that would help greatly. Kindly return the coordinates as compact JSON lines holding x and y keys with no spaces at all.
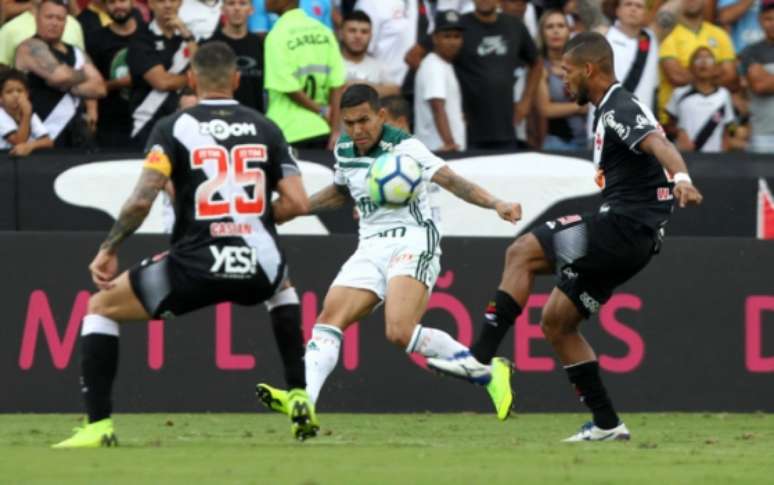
{"x":21,"y":130}
{"x":702,"y":111}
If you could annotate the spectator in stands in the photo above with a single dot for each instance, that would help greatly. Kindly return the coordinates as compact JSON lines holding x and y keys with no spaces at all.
{"x":92,"y":18}
{"x":676,"y":50}
{"x":493,"y":47}
{"x":158,"y":57}
{"x":60,"y":76}
{"x":566,"y":119}
{"x":11,"y":8}
{"x":304,"y":78}
{"x":702,"y":110}
{"x":362,"y":67}
{"x":108,"y":48}
{"x":201,"y":17}
{"x":398,"y":112}
{"x":23,"y":27}
{"x":439,"y":122}
{"x":394,"y":27}
{"x":21,"y":130}
{"x":524,"y":11}
{"x":262,"y":21}
{"x":249,"y":50}
{"x":741,"y":16}
{"x":635,"y":49}
{"x":757,"y":65}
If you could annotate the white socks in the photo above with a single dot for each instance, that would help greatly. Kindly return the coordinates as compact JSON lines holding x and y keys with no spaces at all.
{"x":322,"y":353}
{"x":93,"y":323}
{"x":432,"y":342}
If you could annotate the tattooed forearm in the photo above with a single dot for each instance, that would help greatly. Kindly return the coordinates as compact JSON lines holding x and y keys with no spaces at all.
{"x":37,"y":57}
{"x":135,"y":209}
{"x":464,"y":189}
{"x":331,"y":197}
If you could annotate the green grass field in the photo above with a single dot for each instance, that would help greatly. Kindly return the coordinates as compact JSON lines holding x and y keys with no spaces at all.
{"x":401,"y":449}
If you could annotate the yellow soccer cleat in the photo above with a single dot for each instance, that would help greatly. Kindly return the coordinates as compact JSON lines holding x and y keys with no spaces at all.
{"x":303,"y":419}
{"x":499,"y":387}
{"x":91,"y":435}
{"x":273,"y":398}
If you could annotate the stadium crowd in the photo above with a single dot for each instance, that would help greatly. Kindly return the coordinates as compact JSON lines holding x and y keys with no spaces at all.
{"x":463,"y":74}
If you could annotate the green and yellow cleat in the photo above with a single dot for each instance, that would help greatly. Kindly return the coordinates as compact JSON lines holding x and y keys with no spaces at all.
{"x":499,"y":387}
{"x":91,"y":435}
{"x":272,"y":398}
{"x":303,"y":419}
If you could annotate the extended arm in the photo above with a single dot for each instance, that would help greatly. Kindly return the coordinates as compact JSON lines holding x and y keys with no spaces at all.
{"x":292,"y":200}
{"x":475,"y":194}
{"x":331,"y":197}
{"x":135,"y":209}
{"x":669,"y":158}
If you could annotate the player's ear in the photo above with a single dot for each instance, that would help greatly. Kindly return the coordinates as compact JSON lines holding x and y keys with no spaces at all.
{"x":235,"y":80}
{"x":381,"y":114}
{"x":191,"y":79}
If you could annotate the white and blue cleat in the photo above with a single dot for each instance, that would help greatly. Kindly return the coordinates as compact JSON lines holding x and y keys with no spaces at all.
{"x":590,"y":432}
{"x":462,"y":365}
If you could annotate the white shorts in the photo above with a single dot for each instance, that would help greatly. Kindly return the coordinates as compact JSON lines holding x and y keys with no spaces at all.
{"x":382,"y":257}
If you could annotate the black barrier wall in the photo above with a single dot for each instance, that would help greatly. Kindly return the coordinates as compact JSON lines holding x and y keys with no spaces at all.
{"x":729,"y":182}
{"x":694,"y":331}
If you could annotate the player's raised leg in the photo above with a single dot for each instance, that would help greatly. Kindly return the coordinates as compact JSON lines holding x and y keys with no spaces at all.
{"x":560,"y":324}
{"x":99,"y":360}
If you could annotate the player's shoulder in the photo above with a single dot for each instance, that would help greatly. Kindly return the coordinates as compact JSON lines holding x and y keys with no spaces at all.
{"x":344,"y":149}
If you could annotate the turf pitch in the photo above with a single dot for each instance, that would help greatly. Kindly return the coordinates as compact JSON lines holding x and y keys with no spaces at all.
{"x":392,"y":449}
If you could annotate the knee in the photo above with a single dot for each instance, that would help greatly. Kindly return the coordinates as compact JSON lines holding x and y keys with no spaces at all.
{"x":398,"y":334}
{"x":555,"y":328}
{"x":519,"y":252}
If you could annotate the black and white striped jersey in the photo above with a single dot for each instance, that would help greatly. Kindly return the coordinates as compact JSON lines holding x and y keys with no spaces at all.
{"x":225,"y":161}
{"x":704,"y":117}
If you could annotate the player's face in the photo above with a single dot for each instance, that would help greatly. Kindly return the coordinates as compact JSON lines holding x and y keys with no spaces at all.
{"x":514,"y":8}
{"x":703,"y":66}
{"x":164,"y":10}
{"x":693,"y":8}
{"x":631,"y":12}
{"x":50,"y":21}
{"x":355,"y":36}
{"x":767,"y":24}
{"x":236,"y":12}
{"x":486,"y":7}
{"x":13,"y":92}
{"x":555,"y":31}
{"x":448,"y":43}
{"x":119,"y":10}
{"x":575,"y":78}
{"x":364,"y":125}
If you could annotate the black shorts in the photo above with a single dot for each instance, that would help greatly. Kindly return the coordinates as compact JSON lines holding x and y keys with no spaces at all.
{"x":177,"y":282}
{"x":593,"y":254}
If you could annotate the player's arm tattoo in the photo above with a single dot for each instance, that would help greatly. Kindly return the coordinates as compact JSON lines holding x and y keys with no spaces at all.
{"x":136,"y":208}
{"x":590,"y":13}
{"x":37,"y":57}
{"x":331,"y":197}
{"x":464,"y":189}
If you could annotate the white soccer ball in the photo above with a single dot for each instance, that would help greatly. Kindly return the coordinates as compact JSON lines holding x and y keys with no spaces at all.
{"x":393,"y":179}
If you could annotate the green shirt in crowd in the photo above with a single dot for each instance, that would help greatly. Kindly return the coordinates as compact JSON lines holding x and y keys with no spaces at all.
{"x":301,"y":54}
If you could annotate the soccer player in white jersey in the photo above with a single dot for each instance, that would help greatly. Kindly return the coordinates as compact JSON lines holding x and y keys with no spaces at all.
{"x":398,"y":258}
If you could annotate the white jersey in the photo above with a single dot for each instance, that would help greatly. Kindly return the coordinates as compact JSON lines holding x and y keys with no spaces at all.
{"x":704,"y":117}
{"x":351,"y":170}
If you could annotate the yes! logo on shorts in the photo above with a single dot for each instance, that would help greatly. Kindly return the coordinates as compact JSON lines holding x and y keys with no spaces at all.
{"x":234,"y":261}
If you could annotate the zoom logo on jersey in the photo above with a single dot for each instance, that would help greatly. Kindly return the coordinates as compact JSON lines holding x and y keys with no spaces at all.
{"x":234,"y":260}
{"x":222,"y":130}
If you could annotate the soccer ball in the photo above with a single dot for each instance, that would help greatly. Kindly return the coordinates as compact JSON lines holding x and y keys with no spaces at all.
{"x":393,"y":179}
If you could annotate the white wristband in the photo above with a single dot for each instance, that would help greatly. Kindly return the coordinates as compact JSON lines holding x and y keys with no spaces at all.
{"x":682,"y":177}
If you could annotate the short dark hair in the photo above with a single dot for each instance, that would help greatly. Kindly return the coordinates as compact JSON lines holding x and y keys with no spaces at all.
{"x":11,"y":74}
{"x":358,"y":94}
{"x":214,"y":62}
{"x":357,"y":16}
{"x":396,"y":105}
{"x":590,"y":47}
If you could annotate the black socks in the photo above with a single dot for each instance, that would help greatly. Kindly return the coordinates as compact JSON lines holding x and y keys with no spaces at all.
{"x":585,"y":377}
{"x":99,"y":363}
{"x":286,"y":323}
{"x":498,"y":319}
